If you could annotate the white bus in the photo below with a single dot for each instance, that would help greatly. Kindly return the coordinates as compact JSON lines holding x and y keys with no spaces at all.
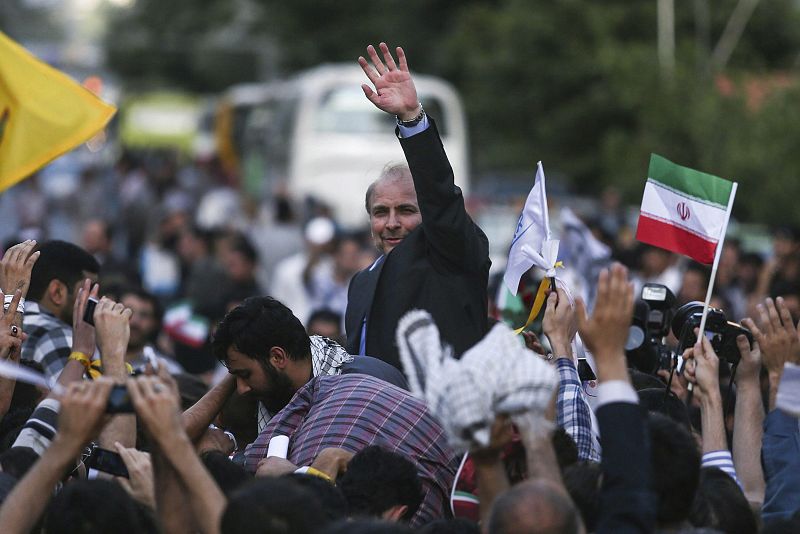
{"x":318,"y":134}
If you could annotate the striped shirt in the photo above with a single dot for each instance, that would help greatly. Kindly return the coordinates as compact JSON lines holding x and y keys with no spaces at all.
{"x":572,"y":410}
{"x":49,"y":339}
{"x":354,"y":411}
{"x":40,"y":428}
{"x":723,"y":461}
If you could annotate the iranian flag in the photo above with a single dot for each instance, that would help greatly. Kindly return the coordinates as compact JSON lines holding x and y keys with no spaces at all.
{"x":684,"y":210}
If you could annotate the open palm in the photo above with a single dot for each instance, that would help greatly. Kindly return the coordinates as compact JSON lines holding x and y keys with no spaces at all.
{"x":394,"y":91}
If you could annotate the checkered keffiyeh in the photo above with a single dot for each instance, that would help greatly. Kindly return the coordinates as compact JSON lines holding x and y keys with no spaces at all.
{"x":49,"y":339}
{"x":327,"y":358}
{"x":496,"y":376}
{"x":354,"y":411}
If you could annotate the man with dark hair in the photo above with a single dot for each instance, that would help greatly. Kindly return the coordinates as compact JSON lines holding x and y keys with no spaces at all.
{"x":675,"y":468}
{"x":56,"y":277}
{"x":268,"y":351}
{"x":434,"y":257}
{"x":326,"y":323}
{"x":145,"y":324}
{"x":382,"y":484}
{"x":273,"y":506}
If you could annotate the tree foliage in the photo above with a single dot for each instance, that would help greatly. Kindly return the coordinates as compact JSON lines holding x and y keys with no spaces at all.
{"x":575,"y":83}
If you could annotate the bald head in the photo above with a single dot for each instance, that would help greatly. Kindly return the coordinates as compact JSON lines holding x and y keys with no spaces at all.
{"x":534,"y":507}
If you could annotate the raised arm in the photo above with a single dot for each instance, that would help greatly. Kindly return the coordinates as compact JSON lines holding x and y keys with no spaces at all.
{"x":10,"y":343}
{"x":157,"y":404}
{"x":81,"y":416}
{"x":627,"y":499}
{"x":748,"y":422}
{"x":572,"y":410}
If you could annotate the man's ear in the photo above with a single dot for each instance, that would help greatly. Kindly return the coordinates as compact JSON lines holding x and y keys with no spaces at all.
{"x":57,"y":292}
{"x":395,"y":513}
{"x":278,"y":357}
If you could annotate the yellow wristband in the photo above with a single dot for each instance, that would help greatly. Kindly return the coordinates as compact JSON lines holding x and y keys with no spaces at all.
{"x":80,"y":357}
{"x":318,"y":473}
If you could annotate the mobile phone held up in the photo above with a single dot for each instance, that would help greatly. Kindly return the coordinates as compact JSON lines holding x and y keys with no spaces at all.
{"x":119,"y":401}
{"x":108,"y":462}
{"x":88,"y":313}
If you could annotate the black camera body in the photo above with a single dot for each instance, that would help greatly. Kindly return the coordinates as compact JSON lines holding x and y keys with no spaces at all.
{"x":645,"y":348}
{"x":721,"y":332}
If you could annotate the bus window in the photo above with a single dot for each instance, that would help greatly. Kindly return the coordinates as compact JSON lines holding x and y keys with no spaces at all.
{"x":345,"y":110}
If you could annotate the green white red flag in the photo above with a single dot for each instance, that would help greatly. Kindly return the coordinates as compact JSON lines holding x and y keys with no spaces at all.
{"x":684,"y":210}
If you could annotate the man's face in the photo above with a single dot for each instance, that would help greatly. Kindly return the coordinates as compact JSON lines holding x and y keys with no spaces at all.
{"x":260,"y":380}
{"x":65,"y":313}
{"x":143,"y":321}
{"x":394,"y":213}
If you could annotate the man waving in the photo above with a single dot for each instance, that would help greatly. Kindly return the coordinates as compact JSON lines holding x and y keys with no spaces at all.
{"x":433,"y":256}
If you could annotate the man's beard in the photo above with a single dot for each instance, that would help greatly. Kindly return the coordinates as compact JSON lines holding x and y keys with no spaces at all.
{"x":281,"y":390}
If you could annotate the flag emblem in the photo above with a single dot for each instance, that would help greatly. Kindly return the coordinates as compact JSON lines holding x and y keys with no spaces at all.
{"x":683,"y":211}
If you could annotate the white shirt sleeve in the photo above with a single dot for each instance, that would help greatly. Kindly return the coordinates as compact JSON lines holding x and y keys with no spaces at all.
{"x":616,"y":391}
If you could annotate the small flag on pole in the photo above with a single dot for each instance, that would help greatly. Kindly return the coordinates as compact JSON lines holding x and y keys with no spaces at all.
{"x":43,"y":113}
{"x":532,"y":245}
{"x":684,"y":210}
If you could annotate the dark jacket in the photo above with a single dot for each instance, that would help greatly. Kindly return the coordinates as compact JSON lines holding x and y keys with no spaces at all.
{"x":442,"y":266}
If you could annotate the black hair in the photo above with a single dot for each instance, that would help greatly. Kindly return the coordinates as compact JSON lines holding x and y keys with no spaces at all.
{"x":676,"y":468}
{"x":330,"y":497}
{"x":458,"y":525}
{"x":95,"y":506}
{"x":700,"y":269}
{"x":258,"y":324}
{"x":377,"y":480}
{"x":16,"y":461}
{"x":641,"y":380}
{"x":272,"y":506}
{"x":228,"y":475}
{"x":26,"y":395}
{"x":59,"y":260}
{"x":659,"y":400}
{"x":582,"y":481}
{"x":241,"y":244}
{"x":11,"y":425}
{"x":325,"y":314}
{"x":367,"y":526}
{"x":719,"y":503}
{"x":140,"y":292}
{"x":528,"y":502}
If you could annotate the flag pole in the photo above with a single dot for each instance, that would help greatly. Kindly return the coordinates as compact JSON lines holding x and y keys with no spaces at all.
{"x":716,"y":260}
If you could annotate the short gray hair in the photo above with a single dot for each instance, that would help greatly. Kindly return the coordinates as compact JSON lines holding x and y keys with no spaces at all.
{"x":390,"y":173}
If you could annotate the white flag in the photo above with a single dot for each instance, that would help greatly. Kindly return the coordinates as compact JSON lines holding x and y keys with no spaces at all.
{"x":531,"y":245}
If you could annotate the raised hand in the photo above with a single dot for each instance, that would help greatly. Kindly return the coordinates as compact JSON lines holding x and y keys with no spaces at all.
{"x":776,"y":335}
{"x":394,"y":90}
{"x":559,"y":323}
{"x":606,"y":331}
{"x":332,"y":461}
{"x":139,"y":483}
{"x":158,"y":406}
{"x":749,"y":366}
{"x":10,"y":334}
{"x":16,"y":267}
{"x":81,"y":415}
{"x":706,"y":368}
{"x":112,"y":323}
{"x":83,"y":333}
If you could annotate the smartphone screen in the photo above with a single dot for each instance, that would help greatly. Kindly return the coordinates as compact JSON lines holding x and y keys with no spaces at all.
{"x":108,"y":462}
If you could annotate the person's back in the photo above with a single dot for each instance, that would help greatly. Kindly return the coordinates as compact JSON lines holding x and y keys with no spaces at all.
{"x":354,"y":411}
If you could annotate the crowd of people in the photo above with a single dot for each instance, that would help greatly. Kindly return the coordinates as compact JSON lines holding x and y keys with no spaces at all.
{"x":237,"y":371}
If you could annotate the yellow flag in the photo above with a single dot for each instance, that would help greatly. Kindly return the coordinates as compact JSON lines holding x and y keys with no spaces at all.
{"x":43,"y":113}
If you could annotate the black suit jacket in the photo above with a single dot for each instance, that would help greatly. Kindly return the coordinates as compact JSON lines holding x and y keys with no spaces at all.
{"x":442,"y":266}
{"x":627,"y":500}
